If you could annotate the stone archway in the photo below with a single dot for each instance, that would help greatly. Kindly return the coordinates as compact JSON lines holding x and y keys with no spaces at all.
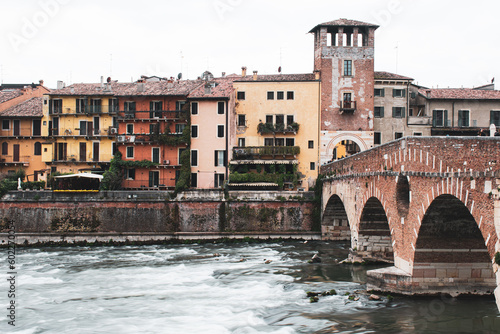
{"x":374,"y":234}
{"x":334,"y":223}
{"x":450,"y":253}
{"x":347,"y":136}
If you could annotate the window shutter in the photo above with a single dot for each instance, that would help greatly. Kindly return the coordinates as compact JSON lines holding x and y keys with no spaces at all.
{"x":404,"y":92}
{"x":434,"y":118}
{"x":50,"y":107}
{"x":225,"y":158}
{"x":460,"y":118}
{"x":151,"y":175}
{"x":382,"y":109}
{"x":382,"y":93}
{"x":393,"y":111}
{"x":492,"y":117}
{"x":393,"y":92}
{"x":445,"y":118}
{"x":403,"y":112}
{"x":216,"y":164}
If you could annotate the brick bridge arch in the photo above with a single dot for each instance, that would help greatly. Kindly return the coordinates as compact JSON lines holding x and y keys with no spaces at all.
{"x":408,"y":177}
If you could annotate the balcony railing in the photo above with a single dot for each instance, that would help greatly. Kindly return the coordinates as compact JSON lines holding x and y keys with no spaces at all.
{"x":83,"y":110}
{"x":257,"y":152}
{"x":264,"y":128}
{"x":157,"y":114}
{"x":347,"y":106}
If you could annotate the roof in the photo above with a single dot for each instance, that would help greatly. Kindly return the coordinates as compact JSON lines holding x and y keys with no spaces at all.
{"x":390,"y":76}
{"x":84,"y":175}
{"x":219,"y":88}
{"x":155,"y":88}
{"x":278,"y":77}
{"x":28,"y":108}
{"x":460,"y":94}
{"x":6,"y":95}
{"x":344,"y":23}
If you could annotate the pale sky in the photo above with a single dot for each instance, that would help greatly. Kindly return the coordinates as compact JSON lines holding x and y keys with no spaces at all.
{"x":441,"y":43}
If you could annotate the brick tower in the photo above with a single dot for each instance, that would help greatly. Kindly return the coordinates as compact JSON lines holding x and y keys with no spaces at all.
{"x":344,"y":57}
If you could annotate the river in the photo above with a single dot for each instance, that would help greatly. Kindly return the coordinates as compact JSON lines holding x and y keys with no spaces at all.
{"x":219,"y":288}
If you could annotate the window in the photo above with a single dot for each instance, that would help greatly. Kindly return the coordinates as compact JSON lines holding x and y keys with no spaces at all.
{"x":290,"y":141}
{"x":130,"y":173}
{"x":495,"y":117}
{"x":242,"y":120}
{"x":290,"y":95}
{"x":377,"y":138}
{"x":398,"y":135}
{"x":289,"y":119}
{"x":179,"y":128}
{"x":96,"y":126}
{"x":179,"y":154}
{"x":280,"y":119}
{"x":154,"y":179}
{"x":270,"y":95}
{"x":81,"y":105}
{"x":37,"y":127}
{"x":463,"y":118}
{"x":179,"y":105}
{"x":347,"y":68}
{"x":379,"y":92}
{"x":398,"y":92}
{"x":38,"y":148}
{"x":280,"y":95}
{"x":5,"y":148}
{"x":194,"y":180}
{"x":220,"y":131}
{"x":241,"y":142}
{"x":194,"y":131}
{"x":312,"y":166}
{"x":218,"y":180}
{"x":129,"y":106}
{"x":379,"y":112}
{"x":439,"y":118}
{"x":268,"y":142}
{"x":155,"y":155}
{"x":279,"y":142}
{"x":398,"y":112}
{"x":240,"y":95}
{"x":55,"y":106}
{"x":155,"y":108}
{"x":417,"y":134}
{"x":95,"y":105}
{"x":83,"y":128}
{"x":347,"y":97}
{"x":113,"y":105}
{"x":220,"y":158}
{"x":130,"y":129}
{"x":269,"y":119}
{"x":5,"y":125}
{"x":221,"y":106}
{"x":154,"y":128}
{"x":130,"y":152}
{"x":194,"y":108}
{"x":194,"y":158}
{"x":310,"y":144}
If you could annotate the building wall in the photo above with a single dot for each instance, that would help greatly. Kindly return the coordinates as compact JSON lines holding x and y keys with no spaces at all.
{"x":208,"y":142}
{"x":304,"y":108}
{"x":479,"y":110}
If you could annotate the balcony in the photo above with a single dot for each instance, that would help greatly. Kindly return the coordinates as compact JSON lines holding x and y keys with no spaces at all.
{"x":258,"y":152}
{"x":152,"y":115}
{"x":85,"y":110}
{"x":419,"y":120}
{"x":268,"y":128}
{"x":347,"y":107}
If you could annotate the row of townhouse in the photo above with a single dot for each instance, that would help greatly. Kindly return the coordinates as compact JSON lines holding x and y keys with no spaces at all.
{"x":249,"y":131}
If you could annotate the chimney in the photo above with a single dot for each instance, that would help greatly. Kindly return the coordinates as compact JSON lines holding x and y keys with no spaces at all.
{"x":208,"y":89}
{"x":317,"y":75}
{"x":102,"y":81}
{"x":428,"y":92}
{"x":60,"y":84}
{"x":255,"y":75}
{"x":243,"y":71}
{"x":140,"y":85}
{"x":223,"y":74}
{"x":40,"y":82}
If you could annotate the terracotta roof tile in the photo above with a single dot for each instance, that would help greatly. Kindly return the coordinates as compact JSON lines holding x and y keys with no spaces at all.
{"x":460,"y":94}
{"x":29,"y":108}
{"x":390,"y":76}
{"x":219,"y":88}
{"x":344,"y":23}
{"x":6,"y":95}
{"x":278,"y":77}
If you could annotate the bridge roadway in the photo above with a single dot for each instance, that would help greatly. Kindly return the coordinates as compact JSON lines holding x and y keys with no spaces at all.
{"x":430,"y":205}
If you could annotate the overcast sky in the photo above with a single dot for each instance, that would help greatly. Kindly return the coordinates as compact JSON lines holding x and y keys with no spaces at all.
{"x":438,"y":43}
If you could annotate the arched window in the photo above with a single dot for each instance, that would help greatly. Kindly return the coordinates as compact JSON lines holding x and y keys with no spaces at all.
{"x":5,"y":148}
{"x":38,"y":148}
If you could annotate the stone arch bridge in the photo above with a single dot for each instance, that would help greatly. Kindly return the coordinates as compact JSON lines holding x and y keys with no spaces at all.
{"x":429,"y":204}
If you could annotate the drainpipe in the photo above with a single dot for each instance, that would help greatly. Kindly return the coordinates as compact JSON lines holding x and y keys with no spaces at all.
{"x":453,"y":114}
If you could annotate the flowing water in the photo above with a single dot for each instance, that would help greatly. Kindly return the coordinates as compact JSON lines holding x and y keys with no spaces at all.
{"x":219,"y":288}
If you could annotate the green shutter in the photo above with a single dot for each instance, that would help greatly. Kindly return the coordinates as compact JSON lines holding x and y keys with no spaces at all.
{"x":404,"y":92}
{"x":382,"y":111}
{"x":445,"y":118}
{"x":434,"y":118}
{"x":394,"y":92}
{"x":393,"y":111}
{"x":403,"y":112}
{"x":492,"y":117}
{"x":460,"y":118}
{"x":382,"y":93}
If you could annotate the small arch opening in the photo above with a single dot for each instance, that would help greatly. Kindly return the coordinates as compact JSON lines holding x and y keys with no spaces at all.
{"x":403,"y":195}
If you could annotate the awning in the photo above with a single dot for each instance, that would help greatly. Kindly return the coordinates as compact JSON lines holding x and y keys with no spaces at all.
{"x":264,"y":162}
{"x":84,"y":175}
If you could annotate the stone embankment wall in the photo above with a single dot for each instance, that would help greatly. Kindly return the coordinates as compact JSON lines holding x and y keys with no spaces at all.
{"x":43,"y":213}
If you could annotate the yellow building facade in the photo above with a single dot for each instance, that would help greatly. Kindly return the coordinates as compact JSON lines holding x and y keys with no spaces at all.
{"x":277,"y":122}
{"x":80,"y":124}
